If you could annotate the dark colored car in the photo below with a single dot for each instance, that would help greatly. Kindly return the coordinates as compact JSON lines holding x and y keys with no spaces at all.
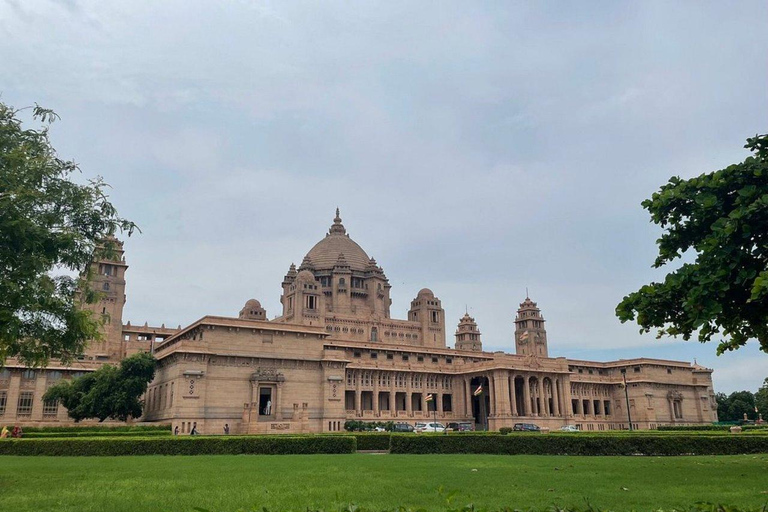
{"x":402,"y":427}
{"x":526,"y":427}
{"x":461,"y":427}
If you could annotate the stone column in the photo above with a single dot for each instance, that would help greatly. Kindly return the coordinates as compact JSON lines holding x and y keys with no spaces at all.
{"x":556,"y":395}
{"x":512,"y":395}
{"x":467,"y":397}
{"x":358,"y":393}
{"x":277,"y":406}
{"x":439,"y":403}
{"x":376,"y":377}
{"x":527,"y":410}
{"x":37,"y":404}
{"x":408,"y":392}
{"x":542,"y":398}
{"x":392,"y":394}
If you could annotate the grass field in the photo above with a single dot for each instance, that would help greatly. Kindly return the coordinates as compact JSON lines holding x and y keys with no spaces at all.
{"x":294,"y":482}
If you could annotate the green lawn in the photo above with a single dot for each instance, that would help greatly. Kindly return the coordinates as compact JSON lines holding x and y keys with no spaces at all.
{"x":224,"y":483}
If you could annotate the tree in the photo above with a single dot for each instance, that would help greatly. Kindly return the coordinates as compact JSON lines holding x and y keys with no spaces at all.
{"x":49,"y":227}
{"x":761,"y":399}
{"x":722,"y":218}
{"x":109,"y":392}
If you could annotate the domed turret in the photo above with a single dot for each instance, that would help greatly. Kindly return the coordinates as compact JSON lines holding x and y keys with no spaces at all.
{"x":530,"y":334}
{"x":253,"y":311}
{"x":468,"y":335}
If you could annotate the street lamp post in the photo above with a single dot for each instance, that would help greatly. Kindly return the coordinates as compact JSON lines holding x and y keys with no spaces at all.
{"x":626,"y":396}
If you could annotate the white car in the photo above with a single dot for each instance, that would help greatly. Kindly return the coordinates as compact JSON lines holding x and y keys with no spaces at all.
{"x":570,"y":428}
{"x":432,"y":427}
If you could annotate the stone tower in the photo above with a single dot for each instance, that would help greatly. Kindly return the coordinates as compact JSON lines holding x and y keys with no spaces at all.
{"x":530,"y":334}
{"x":108,"y":280}
{"x":428,"y":310}
{"x":468,"y":335}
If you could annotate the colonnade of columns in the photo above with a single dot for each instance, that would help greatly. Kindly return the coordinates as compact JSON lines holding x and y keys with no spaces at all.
{"x":518,"y":394}
{"x":397,"y":394}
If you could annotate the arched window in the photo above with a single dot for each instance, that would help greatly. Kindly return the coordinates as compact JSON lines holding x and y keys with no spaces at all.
{"x":105,"y":286}
{"x":374,"y":334}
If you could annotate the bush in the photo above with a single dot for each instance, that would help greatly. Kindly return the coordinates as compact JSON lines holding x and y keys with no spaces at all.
{"x":104,"y":433}
{"x":100,"y":428}
{"x":373,"y":441}
{"x":187,"y":445}
{"x":700,"y":428}
{"x":505,"y":430}
{"x":577,"y":444}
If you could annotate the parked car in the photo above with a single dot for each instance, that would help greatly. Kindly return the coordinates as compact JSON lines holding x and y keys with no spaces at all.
{"x":379,"y":429}
{"x":569,"y":428}
{"x":402,"y":427}
{"x":526,"y":427}
{"x":432,"y":427}
{"x":461,"y":427}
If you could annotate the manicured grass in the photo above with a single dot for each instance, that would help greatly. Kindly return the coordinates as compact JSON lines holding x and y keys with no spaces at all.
{"x":296,"y":482}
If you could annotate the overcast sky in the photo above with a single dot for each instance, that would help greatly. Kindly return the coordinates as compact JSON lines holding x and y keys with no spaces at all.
{"x":474,"y":148}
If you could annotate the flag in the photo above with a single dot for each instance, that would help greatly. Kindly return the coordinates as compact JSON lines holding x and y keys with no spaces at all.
{"x":479,"y":390}
{"x":429,"y":397}
{"x":524,"y":336}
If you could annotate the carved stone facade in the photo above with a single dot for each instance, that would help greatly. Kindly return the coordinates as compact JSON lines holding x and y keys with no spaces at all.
{"x":335,"y":354}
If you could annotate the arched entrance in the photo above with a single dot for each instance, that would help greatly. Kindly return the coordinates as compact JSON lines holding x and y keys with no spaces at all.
{"x":481,"y":404}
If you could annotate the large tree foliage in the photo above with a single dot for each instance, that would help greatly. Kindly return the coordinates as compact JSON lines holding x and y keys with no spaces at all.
{"x":722,"y":218}
{"x":49,"y":226}
{"x":733,"y":407}
{"x":109,"y":392}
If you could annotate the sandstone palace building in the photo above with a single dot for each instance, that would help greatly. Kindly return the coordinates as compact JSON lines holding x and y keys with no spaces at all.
{"x":336,"y":354}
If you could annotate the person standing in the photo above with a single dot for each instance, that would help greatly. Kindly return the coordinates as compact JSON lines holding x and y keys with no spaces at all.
{"x":226,"y":429}
{"x":193,"y":432}
{"x":176,"y":430}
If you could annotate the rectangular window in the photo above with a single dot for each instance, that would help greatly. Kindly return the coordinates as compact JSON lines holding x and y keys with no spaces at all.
{"x":434,"y":359}
{"x":374,"y":355}
{"x":420,"y":359}
{"x":390,"y":357}
{"x":405,"y":358}
{"x":24,"y":407}
{"x":3,"y":401}
{"x":448,"y":360}
{"x":50,"y":408}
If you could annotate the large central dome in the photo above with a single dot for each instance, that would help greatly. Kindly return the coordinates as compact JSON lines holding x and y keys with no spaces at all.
{"x":325,"y":253}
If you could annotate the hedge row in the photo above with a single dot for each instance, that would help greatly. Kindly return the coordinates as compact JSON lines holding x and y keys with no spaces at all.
{"x":188,"y":445}
{"x":581,"y":445}
{"x":100,"y":428}
{"x":104,"y":433}
{"x":688,"y":428}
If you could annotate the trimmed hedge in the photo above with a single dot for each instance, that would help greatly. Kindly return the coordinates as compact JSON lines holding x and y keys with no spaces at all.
{"x":688,"y":428}
{"x":581,"y":445}
{"x":99,"y":428}
{"x":63,"y":434}
{"x":187,"y":445}
{"x":379,"y":441}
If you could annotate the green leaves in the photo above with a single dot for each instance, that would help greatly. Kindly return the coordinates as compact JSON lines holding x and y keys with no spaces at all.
{"x":722,"y":219}
{"x":49,"y":225}
{"x":109,"y":392}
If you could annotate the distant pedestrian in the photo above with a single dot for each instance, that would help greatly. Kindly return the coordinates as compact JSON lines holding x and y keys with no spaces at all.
{"x":193,"y":432}
{"x":226,"y":429}
{"x":176,"y":430}
{"x":4,"y":433}
{"x":17,"y":432}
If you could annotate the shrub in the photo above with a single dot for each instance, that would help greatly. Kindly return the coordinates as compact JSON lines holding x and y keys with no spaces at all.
{"x":373,"y":441}
{"x":700,"y":428}
{"x":581,"y":445}
{"x":187,"y":445}
{"x":102,"y":433}
{"x":100,"y":428}
{"x":505,"y":430}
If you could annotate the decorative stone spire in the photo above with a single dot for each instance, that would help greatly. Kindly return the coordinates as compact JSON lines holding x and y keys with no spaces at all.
{"x":341,"y":264}
{"x":306,"y":264}
{"x":468,"y":335}
{"x":337,"y":228}
{"x":291,"y":275}
{"x":530,"y":333}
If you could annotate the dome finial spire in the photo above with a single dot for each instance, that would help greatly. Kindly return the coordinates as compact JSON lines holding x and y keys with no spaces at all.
{"x":337,"y":226}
